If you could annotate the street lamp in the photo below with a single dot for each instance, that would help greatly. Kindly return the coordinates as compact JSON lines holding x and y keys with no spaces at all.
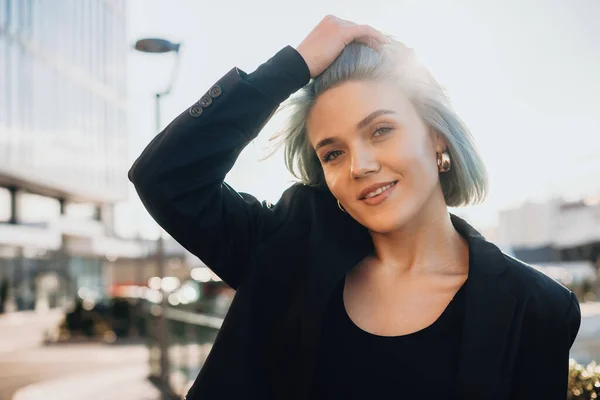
{"x":157,"y":46}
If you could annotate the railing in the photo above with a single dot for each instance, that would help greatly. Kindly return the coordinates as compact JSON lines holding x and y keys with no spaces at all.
{"x":191,"y":335}
{"x":189,"y":339}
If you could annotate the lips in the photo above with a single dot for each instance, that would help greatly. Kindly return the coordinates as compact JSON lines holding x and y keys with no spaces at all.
{"x":376,"y":190}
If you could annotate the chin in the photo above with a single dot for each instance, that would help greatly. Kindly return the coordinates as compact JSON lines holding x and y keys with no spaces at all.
{"x":389,"y":216}
{"x":383,"y":223}
{"x":389,"y":219}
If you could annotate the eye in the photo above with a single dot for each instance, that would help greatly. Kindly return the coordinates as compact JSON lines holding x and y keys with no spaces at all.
{"x":332,"y":155}
{"x":382,"y":130}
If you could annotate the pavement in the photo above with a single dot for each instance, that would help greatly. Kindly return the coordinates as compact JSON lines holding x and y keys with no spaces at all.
{"x":92,"y":371}
{"x":30,"y":370}
{"x":25,"y":329}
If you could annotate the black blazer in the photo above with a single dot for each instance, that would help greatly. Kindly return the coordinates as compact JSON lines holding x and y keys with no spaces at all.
{"x":284,"y":260}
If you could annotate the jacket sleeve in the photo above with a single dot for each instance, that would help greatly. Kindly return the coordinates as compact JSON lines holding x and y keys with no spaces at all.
{"x":180,"y":175}
{"x":542,"y":368}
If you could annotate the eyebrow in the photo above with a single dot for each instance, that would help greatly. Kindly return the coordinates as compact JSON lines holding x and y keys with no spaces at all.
{"x":365,"y":121}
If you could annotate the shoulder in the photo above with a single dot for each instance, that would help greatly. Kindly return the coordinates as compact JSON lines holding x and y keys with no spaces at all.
{"x":301,"y":200}
{"x":550,"y":312}
{"x":292,"y":210}
{"x":304,"y":209}
{"x":515,"y":278}
{"x":545,"y":297}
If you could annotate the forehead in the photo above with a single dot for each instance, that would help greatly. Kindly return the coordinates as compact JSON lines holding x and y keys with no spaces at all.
{"x":342,"y":107}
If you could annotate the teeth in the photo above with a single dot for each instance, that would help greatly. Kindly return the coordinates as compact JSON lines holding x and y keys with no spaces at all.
{"x":379,"y":191}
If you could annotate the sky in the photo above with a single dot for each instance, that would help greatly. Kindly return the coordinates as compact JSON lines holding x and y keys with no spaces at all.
{"x":523,"y":74}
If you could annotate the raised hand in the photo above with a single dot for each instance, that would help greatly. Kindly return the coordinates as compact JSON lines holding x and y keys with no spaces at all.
{"x":327,"y":40}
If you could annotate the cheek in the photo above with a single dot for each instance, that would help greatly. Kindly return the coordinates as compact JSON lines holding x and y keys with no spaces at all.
{"x":403,"y":153}
{"x":334,"y":183}
{"x":414,"y":160}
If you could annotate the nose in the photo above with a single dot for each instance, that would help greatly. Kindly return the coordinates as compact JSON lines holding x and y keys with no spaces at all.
{"x":364,"y":162}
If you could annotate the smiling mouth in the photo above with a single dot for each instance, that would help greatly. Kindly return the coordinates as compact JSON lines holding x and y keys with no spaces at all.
{"x":379,"y":191}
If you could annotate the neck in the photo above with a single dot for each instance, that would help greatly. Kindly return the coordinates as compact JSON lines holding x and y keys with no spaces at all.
{"x":428,"y":244}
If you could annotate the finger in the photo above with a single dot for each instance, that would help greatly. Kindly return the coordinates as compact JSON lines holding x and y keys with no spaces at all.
{"x":359,"y":31}
{"x":345,"y":23}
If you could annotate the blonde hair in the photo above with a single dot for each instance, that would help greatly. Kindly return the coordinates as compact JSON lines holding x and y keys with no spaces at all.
{"x":465,"y":183}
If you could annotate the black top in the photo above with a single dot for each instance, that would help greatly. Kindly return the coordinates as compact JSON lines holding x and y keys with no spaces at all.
{"x":355,"y":364}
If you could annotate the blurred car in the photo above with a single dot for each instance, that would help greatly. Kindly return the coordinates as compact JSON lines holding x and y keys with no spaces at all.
{"x":104,"y":321}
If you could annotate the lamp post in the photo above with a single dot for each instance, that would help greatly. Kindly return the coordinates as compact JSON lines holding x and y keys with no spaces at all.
{"x":156,"y":45}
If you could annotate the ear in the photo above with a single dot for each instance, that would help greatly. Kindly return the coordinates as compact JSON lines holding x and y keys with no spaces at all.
{"x":439,"y":142}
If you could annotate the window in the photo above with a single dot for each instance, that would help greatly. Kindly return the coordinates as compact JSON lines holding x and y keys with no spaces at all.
{"x":29,"y":21}
{"x":3,"y":81}
{"x":7,"y":11}
{"x":23,"y":17}
{"x":4,"y":205}
{"x":14,"y":17}
{"x":35,"y":209}
{"x":3,"y":13}
{"x":36,"y":25}
{"x":83,"y":211}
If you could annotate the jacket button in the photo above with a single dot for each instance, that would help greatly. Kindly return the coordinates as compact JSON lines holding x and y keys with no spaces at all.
{"x":205,"y":101}
{"x":215,"y":91}
{"x":195,"y":111}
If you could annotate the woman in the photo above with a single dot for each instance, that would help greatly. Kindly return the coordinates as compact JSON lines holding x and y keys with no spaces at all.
{"x":358,"y":282}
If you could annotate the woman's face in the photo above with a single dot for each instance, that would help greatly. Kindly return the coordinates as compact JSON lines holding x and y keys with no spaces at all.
{"x":378,"y":156}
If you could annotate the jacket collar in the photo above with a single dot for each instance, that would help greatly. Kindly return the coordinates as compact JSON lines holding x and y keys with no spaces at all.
{"x":488,"y":309}
{"x":488,"y":319}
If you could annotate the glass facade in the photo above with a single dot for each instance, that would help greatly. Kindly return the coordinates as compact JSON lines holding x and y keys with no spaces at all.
{"x":62,"y":95}
{"x":63,"y":138}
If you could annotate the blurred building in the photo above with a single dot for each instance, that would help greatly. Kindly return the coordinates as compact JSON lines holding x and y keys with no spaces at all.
{"x":63,"y":138}
{"x":553,"y":231}
{"x":560,"y":237}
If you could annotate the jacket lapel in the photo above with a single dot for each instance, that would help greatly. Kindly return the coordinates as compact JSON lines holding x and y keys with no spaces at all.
{"x":488,"y":320}
{"x":332,"y":256}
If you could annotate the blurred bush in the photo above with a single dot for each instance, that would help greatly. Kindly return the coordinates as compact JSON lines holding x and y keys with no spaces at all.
{"x":584,"y":382}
